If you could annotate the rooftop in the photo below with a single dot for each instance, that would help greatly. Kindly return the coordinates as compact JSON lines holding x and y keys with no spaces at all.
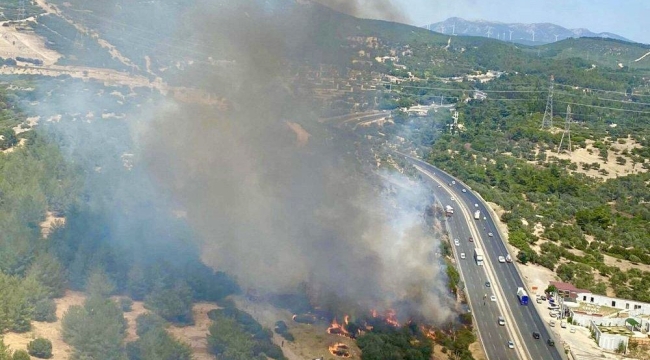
{"x":562,"y":286}
{"x":592,"y":309}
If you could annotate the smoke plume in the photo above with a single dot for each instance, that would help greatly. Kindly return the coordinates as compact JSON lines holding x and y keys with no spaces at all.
{"x":371,"y":9}
{"x":276,"y":199}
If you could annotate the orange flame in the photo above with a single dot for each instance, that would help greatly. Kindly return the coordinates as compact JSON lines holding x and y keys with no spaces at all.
{"x":337,"y":329}
{"x":340,"y":350}
{"x":391,"y":317}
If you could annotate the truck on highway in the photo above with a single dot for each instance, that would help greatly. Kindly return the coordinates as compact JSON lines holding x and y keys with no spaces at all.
{"x":522,"y":295}
{"x":478,"y":256}
{"x":477,"y":215}
{"x":449,"y":210}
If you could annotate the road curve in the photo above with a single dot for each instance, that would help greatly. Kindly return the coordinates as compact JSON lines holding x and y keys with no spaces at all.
{"x":506,"y":276}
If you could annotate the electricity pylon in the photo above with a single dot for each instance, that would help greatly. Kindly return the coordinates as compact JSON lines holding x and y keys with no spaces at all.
{"x":567,"y":130}
{"x":547,"y":120}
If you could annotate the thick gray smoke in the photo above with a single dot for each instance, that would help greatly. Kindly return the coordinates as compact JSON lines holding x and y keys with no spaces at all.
{"x":278,"y":200}
{"x":278,"y":203}
{"x":370,"y":9}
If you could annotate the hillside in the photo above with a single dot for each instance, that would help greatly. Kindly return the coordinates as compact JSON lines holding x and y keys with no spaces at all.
{"x":602,"y":52}
{"x":185,"y":154}
{"x":526,"y":34}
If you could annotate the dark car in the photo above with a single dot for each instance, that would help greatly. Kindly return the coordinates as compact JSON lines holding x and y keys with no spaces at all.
{"x":536,"y":335}
{"x":471,"y":239}
{"x":550,"y":342}
{"x":487,"y":284}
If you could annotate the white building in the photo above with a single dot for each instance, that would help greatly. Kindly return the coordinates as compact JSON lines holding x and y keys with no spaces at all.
{"x":634,"y":308}
{"x":608,"y":341}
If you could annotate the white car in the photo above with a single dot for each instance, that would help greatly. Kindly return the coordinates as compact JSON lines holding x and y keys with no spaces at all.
{"x":464,"y":190}
{"x":475,"y":205}
{"x":490,"y":234}
{"x":493,"y":298}
{"x":456,"y":242}
{"x":573,"y":330}
{"x":502,"y":259}
{"x":462,"y":255}
{"x":453,"y":198}
{"x":511,"y":344}
{"x":453,"y":182}
{"x":439,"y":186}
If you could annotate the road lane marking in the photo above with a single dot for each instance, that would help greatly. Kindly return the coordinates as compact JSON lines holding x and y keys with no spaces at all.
{"x":510,"y":324}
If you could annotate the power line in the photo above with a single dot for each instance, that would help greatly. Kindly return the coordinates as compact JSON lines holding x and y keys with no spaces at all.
{"x":605,"y":107}
{"x":601,"y":90}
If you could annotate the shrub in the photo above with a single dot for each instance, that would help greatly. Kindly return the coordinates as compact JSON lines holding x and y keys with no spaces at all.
{"x":45,"y":310}
{"x":40,"y":348}
{"x":146,"y":322}
{"x":126,"y":304}
{"x":21,"y":355}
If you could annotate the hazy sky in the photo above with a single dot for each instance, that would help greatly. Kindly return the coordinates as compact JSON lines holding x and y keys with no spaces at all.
{"x":628,"y":18}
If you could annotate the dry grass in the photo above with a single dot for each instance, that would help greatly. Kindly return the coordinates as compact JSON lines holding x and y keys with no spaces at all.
{"x":591,"y":155}
{"x":311,"y":341}
{"x":195,"y":335}
{"x":477,"y":351}
{"x":51,"y":331}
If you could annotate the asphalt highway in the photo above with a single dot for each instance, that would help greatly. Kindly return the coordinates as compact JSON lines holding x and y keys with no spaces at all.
{"x":521,"y":320}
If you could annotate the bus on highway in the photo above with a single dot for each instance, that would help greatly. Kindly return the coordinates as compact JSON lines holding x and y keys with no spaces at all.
{"x":478,"y":256}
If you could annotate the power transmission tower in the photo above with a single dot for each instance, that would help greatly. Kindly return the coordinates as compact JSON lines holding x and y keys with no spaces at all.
{"x":20,"y":14}
{"x":547,"y":120}
{"x":454,"y":126}
{"x":567,"y":130}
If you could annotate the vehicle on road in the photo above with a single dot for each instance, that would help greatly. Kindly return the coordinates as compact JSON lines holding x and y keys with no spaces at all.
{"x":477,"y":215}
{"x":464,"y":190}
{"x":439,"y":186}
{"x":573,"y":330}
{"x":502,"y":321}
{"x":563,"y":325}
{"x":502,"y":259}
{"x":453,"y":198}
{"x":552,"y":323}
{"x":478,"y":256}
{"x":462,"y":255}
{"x":522,"y":295}
{"x":539,"y":301}
{"x":449,"y":210}
{"x":471,"y":239}
{"x":550,"y":342}
{"x":535,"y":335}
{"x":453,"y":182}
{"x":493,"y":298}
{"x":475,"y":205}
{"x":487,"y":284}
{"x":456,"y":242}
{"x":490,"y":234}
{"x":508,"y":258}
{"x":511,"y":345}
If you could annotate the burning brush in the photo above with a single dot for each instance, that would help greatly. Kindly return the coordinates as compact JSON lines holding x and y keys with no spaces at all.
{"x":340,"y":350}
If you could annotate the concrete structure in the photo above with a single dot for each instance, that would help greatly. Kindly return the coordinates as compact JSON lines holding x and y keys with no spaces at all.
{"x":633,"y":308}
{"x":610,"y":339}
{"x":567,"y":291}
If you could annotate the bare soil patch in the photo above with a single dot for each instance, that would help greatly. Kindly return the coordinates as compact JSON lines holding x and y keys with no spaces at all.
{"x":477,"y":351}
{"x":536,"y":276}
{"x":51,"y":331}
{"x":302,"y":136}
{"x":50,"y":222}
{"x":590,"y":155}
{"x":136,"y":310}
{"x":624,"y":265}
{"x":195,"y":335}
{"x":15,"y":42}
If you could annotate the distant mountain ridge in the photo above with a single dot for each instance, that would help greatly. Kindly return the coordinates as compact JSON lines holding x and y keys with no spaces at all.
{"x":528,"y":34}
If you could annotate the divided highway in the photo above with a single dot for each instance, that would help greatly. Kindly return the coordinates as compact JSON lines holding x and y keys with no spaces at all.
{"x":521,"y":321}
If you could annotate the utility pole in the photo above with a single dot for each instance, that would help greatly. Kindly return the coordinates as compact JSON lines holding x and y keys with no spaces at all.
{"x":567,"y":130}
{"x":547,"y":120}
{"x":20,"y":14}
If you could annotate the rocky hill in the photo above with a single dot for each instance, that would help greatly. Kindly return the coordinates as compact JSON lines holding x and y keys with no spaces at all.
{"x":528,"y":34}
